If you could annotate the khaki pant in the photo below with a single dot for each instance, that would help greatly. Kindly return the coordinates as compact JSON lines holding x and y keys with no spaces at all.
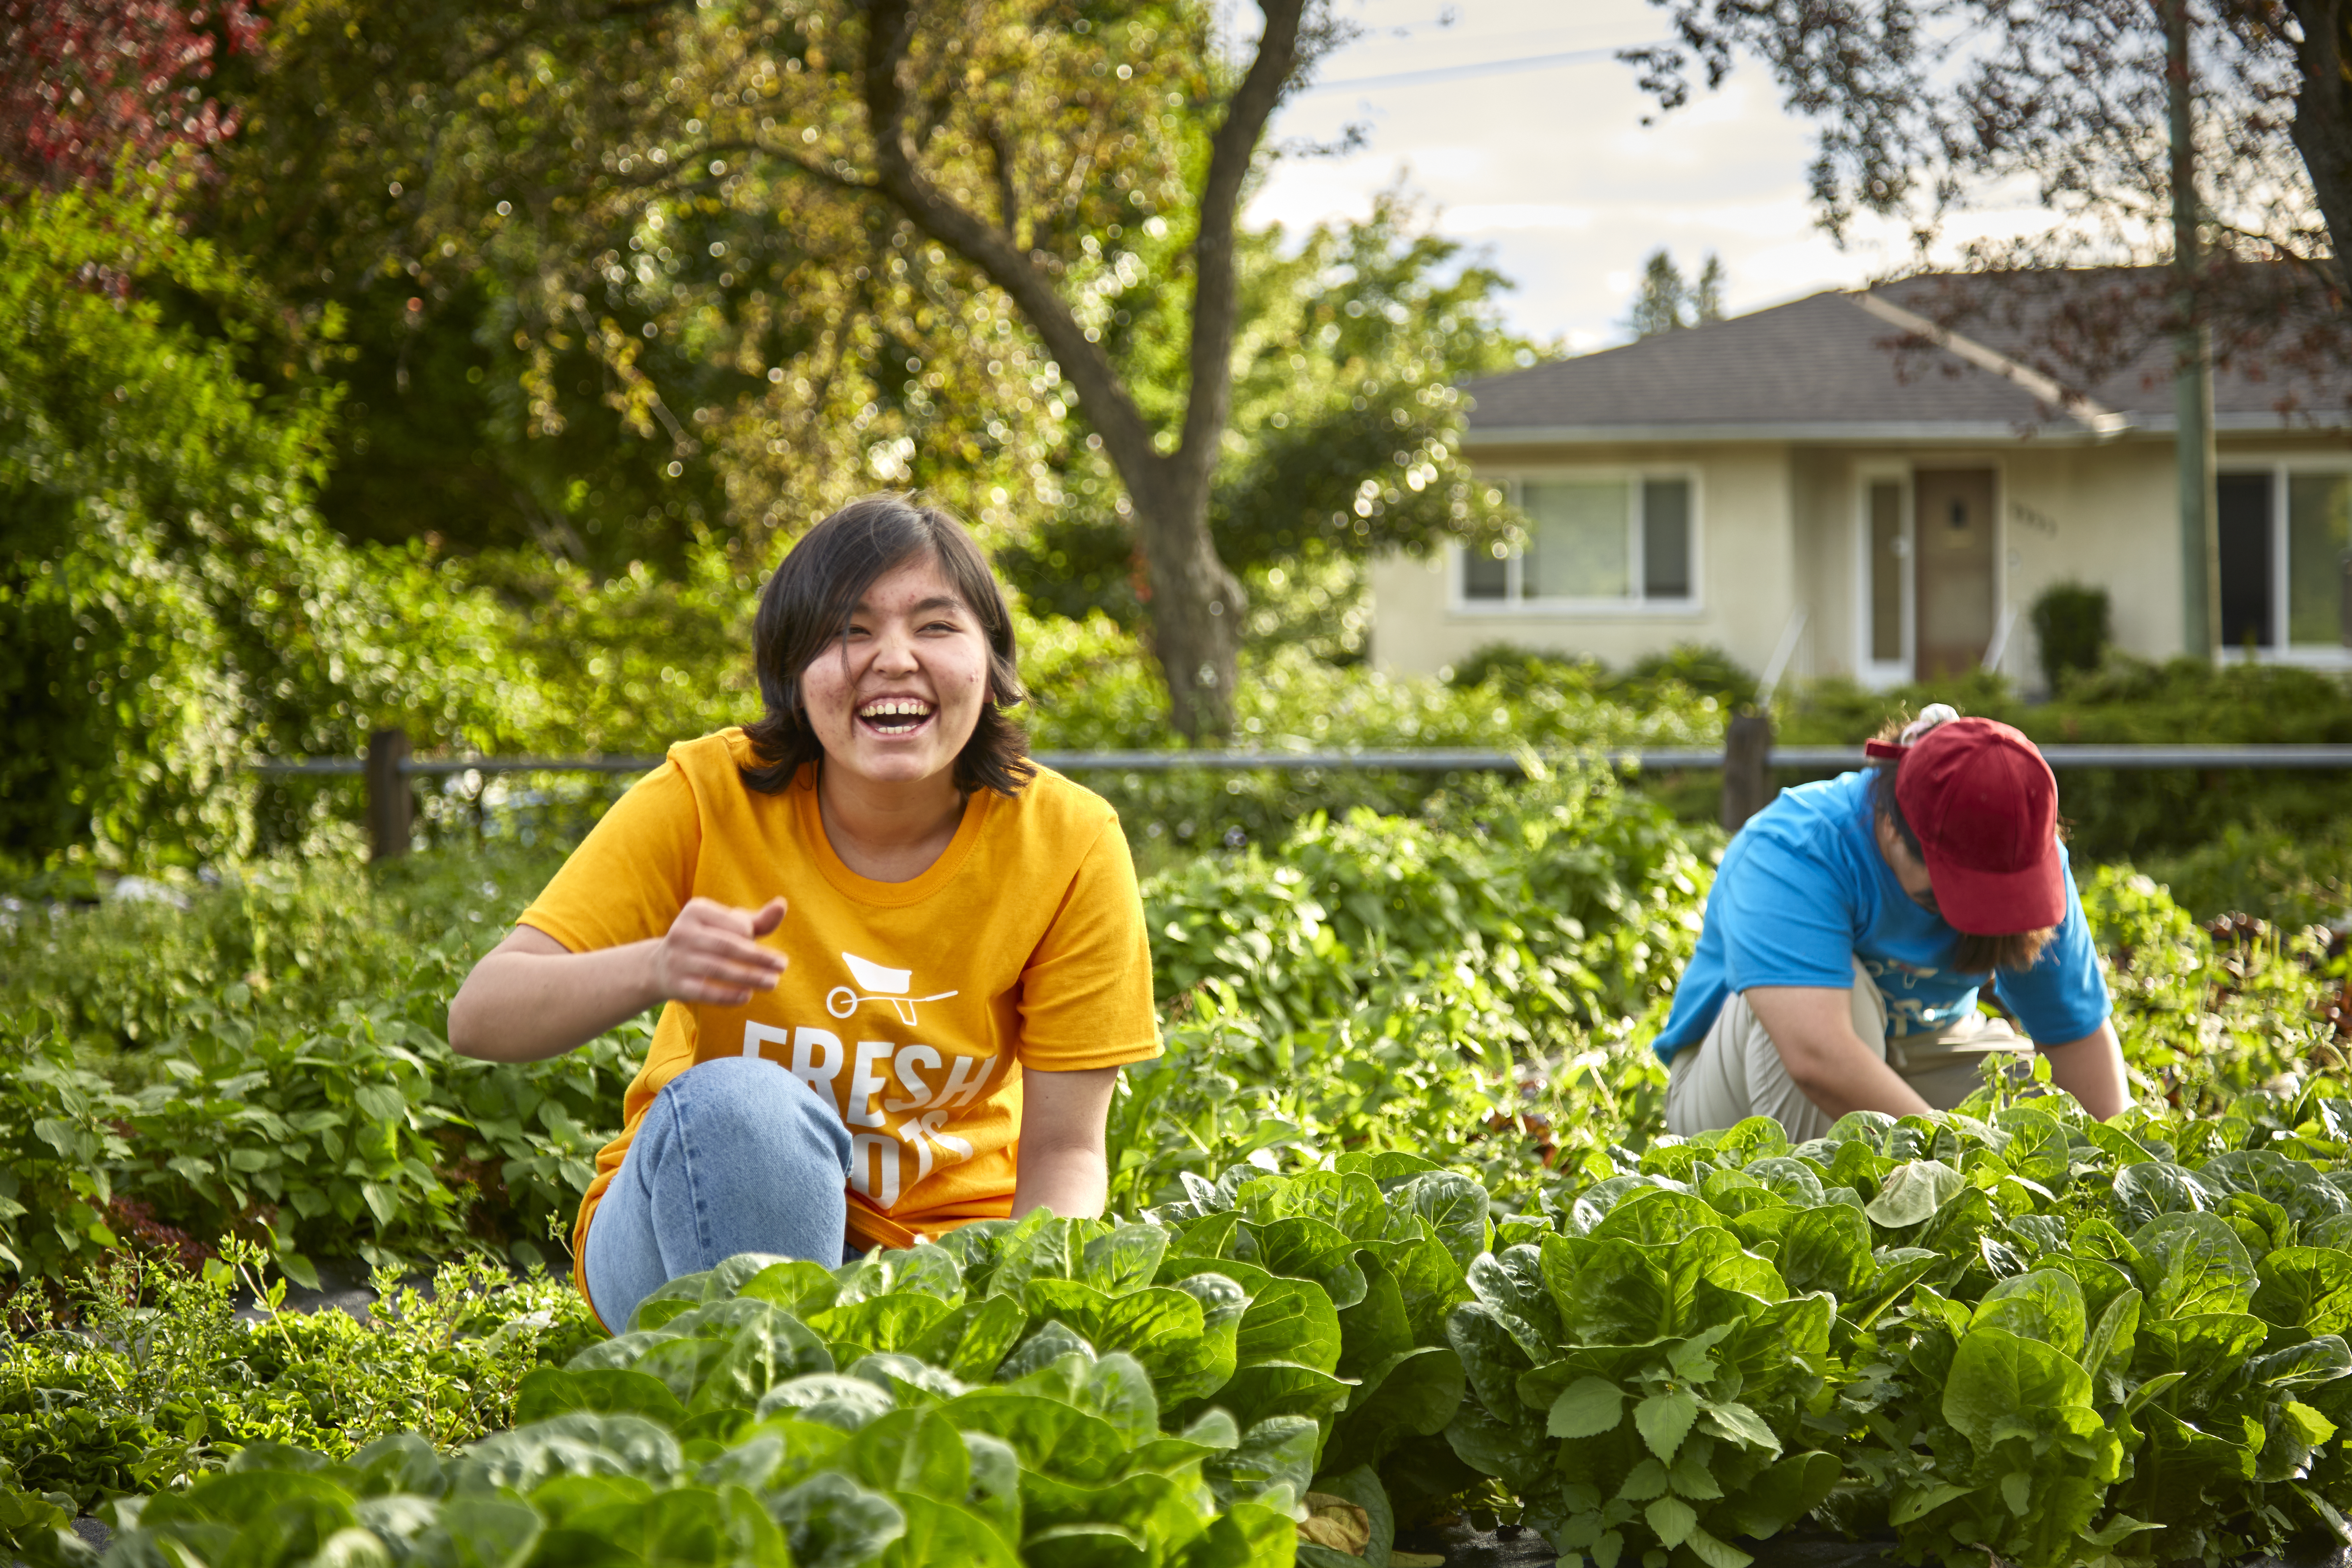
{"x":1737,"y":1072}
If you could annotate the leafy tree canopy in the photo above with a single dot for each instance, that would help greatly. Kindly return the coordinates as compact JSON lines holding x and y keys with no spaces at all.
{"x":1930,"y":108}
{"x":1348,"y":422}
{"x":1666,"y":302}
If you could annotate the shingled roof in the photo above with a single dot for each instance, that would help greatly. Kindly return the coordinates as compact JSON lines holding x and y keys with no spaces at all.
{"x":1874,"y":365}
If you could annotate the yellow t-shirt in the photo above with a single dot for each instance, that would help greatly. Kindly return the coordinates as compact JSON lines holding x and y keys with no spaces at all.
{"x":912,"y":1006}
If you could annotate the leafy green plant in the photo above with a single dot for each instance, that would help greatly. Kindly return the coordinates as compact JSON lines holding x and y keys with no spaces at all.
{"x":746,"y":1418}
{"x":2208,"y":1017}
{"x":1672,"y":1421}
{"x":154,"y":1379}
{"x":2007,"y":1328}
{"x":59,"y":1148}
{"x":274,"y":1066}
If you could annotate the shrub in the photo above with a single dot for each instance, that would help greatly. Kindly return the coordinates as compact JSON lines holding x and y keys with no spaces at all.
{"x":2128,"y":813}
{"x":2070,"y":623}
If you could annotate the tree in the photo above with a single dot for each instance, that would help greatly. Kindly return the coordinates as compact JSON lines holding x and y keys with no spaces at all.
{"x":1658,"y":300}
{"x":169,"y":602}
{"x":974,"y":151}
{"x":947,"y":157}
{"x":560,"y":340}
{"x":2245,"y":196}
{"x":1928,"y":106}
{"x":1707,"y":294}
{"x":1666,"y":301}
{"x":591,"y":312}
{"x":86,"y":84}
{"x":1347,"y":428}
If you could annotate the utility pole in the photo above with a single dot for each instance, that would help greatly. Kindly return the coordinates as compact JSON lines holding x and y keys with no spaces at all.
{"x":2192,"y":375}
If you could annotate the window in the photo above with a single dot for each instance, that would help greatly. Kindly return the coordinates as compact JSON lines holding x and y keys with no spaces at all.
{"x":1628,"y":539}
{"x":2285,"y":552}
{"x":2244,"y":524}
{"x":1665,"y":538}
{"x":2319,"y":559}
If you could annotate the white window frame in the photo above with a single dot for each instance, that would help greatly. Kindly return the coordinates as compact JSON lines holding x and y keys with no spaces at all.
{"x":2306,"y":656}
{"x":1634,"y":604}
{"x":1878,"y":673}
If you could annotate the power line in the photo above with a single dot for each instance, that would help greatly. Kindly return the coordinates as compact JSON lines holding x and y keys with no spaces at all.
{"x":1479,"y":67}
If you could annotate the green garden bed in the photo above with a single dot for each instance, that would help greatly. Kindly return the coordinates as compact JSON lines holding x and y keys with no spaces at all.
{"x":1403,"y":1231}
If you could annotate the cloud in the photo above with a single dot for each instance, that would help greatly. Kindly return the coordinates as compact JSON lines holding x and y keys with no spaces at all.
{"x":1550,"y":174}
{"x":1489,"y":216}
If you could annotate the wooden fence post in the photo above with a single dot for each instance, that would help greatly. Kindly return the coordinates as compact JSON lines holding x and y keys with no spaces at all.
{"x":1746,"y":769}
{"x":391,"y":807}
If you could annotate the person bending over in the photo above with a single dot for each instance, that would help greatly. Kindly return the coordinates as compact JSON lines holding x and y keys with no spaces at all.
{"x":1851,"y":923}
{"x":901,"y":964}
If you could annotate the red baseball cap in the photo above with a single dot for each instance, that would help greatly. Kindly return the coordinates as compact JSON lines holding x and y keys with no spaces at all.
{"x":1984,"y":807}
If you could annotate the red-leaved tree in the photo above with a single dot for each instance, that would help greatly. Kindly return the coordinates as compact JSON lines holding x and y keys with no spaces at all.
{"x":83,"y":83}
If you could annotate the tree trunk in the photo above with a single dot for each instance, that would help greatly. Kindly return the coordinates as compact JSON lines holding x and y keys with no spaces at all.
{"x":2192,"y":366}
{"x":1196,"y":601}
{"x":1197,"y":604}
{"x":2323,"y":119}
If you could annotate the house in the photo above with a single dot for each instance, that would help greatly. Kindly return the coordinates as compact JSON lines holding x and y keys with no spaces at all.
{"x":1847,"y":485}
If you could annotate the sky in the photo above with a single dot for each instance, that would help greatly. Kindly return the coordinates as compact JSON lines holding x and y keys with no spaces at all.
{"x":1551,"y":171}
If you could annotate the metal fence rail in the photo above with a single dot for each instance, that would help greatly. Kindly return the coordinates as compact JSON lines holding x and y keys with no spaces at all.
{"x":1432,"y":759}
{"x":1751,"y":756}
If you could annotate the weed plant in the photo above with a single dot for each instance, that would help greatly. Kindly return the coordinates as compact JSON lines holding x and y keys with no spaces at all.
{"x":147,"y":1375}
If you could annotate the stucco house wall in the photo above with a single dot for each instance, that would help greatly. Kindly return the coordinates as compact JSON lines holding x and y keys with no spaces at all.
{"x":1743,"y":541}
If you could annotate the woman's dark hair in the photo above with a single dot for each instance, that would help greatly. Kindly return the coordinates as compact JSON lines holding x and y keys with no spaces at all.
{"x":1976,"y":954}
{"x":806,"y":609}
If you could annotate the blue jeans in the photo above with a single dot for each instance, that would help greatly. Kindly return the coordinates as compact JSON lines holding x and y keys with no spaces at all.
{"x":735,"y":1155}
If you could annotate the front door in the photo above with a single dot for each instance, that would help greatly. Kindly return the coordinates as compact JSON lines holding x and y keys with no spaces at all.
{"x":1953,"y":552}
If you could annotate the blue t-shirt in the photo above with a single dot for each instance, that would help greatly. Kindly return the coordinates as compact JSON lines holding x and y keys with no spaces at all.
{"x":1803,"y":892}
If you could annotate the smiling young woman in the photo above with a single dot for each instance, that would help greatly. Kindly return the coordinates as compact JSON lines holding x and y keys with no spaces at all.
{"x":899,"y":964}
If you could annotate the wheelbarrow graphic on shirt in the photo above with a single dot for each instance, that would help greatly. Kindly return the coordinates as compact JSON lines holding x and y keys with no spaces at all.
{"x":889,"y":985}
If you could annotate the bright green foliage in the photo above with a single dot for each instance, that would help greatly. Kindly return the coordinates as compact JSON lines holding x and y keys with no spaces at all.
{"x":1345,"y":397}
{"x":589,"y":319}
{"x":160,"y":1381}
{"x":2208,"y":1017}
{"x":2134,"y":812}
{"x":1347,"y":428}
{"x":169,"y":601}
{"x":1471,"y":984}
{"x":1530,"y":886}
{"x":750,"y":1416}
{"x":2005,"y":1329}
{"x":60,"y":1149}
{"x":2073,"y":627}
{"x":154,"y":520}
{"x":276,"y":1065}
{"x":1387,"y":982}
{"x":1092,"y":689}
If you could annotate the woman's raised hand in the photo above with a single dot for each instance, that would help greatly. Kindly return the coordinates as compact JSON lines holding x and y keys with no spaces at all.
{"x":711,"y":953}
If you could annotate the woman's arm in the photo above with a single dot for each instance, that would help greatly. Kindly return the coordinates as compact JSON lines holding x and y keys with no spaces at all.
{"x":1812,"y":1028}
{"x":530,"y":998}
{"x":1064,"y":1166}
{"x":2092,"y":1070}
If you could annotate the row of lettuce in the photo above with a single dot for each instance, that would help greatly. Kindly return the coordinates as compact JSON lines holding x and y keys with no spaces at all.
{"x":2007,"y":1328}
